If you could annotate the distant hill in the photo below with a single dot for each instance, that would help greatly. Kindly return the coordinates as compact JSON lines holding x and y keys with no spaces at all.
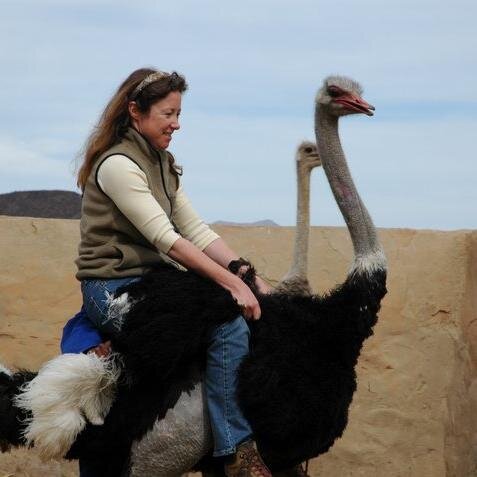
{"x":54,"y":204}
{"x":258,"y":223}
{"x":64,"y":204}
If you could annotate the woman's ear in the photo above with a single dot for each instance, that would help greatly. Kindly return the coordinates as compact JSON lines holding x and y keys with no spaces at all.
{"x":133,"y":110}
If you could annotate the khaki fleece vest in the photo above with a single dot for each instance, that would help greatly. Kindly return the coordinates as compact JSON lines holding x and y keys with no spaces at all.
{"x":110,"y":246}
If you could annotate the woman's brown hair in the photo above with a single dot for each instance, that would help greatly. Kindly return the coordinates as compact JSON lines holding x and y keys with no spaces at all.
{"x":114,"y":121}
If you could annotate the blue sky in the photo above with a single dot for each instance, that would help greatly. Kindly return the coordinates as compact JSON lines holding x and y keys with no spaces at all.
{"x":253,"y":69}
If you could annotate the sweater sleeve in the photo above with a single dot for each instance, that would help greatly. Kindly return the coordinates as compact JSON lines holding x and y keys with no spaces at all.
{"x":123,"y":181}
{"x":190,"y":225}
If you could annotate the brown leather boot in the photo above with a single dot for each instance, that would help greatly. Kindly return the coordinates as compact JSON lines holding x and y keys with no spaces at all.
{"x":246,"y":462}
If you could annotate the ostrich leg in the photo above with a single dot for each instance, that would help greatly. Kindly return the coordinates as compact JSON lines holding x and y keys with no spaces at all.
{"x":177,"y":442}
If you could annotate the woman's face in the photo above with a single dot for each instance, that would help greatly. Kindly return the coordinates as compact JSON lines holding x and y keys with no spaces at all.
{"x":160,"y":122}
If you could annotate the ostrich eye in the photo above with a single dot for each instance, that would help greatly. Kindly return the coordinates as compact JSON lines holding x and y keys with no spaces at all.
{"x":308,"y":150}
{"x":333,"y":92}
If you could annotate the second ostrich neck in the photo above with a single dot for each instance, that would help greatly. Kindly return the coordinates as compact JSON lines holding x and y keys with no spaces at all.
{"x":300,"y":262}
{"x":360,"y":226}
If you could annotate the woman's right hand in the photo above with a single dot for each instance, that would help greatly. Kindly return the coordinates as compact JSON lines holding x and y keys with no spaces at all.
{"x":191,"y":257}
{"x":246,"y":300}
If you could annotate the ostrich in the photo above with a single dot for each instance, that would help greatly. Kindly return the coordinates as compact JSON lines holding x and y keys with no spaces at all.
{"x":303,"y":354}
{"x":295,"y":281}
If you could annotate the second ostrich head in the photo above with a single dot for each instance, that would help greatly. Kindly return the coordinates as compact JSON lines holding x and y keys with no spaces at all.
{"x":341,"y":96}
{"x":307,"y":155}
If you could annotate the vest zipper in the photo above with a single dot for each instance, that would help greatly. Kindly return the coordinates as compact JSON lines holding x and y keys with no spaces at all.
{"x":165,"y":191}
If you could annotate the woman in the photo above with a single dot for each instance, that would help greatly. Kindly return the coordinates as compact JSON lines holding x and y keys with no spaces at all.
{"x":134,"y":215}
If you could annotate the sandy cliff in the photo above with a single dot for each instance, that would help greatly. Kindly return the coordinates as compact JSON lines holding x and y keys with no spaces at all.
{"x":415,"y":411}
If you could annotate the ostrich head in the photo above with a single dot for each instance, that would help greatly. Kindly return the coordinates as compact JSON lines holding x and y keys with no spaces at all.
{"x":342,"y":96}
{"x":307,"y":155}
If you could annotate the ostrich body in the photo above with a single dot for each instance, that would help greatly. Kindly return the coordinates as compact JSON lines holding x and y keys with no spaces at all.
{"x":297,"y":383}
{"x":295,"y":280}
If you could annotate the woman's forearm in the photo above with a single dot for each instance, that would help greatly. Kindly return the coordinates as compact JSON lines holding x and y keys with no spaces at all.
{"x":220,"y":252}
{"x":188,"y":255}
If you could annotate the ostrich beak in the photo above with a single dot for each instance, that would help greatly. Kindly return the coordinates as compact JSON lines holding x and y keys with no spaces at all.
{"x":356,"y":104}
{"x":316,"y":160}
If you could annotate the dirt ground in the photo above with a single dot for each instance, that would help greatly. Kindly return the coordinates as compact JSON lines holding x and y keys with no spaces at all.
{"x":23,"y":463}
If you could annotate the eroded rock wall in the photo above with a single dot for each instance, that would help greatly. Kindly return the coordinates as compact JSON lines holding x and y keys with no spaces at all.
{"x":414,"y":413}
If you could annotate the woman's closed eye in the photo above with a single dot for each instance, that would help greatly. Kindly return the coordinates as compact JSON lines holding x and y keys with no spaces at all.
{"x":171,"y":114}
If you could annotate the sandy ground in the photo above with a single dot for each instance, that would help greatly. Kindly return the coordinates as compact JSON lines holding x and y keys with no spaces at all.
{"x":24,"y":463}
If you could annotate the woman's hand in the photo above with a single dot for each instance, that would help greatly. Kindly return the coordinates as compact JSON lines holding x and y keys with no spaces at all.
{"x":246,"y":300}
{"x":262,"y":286}
{"x":191,"y":257}
{"x":103,"y":350}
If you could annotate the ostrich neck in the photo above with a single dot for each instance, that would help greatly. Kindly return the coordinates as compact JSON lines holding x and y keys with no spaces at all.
{"x":359,"y":223}
{"x":302,"y":230}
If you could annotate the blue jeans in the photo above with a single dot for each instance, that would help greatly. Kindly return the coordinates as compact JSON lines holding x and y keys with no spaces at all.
{"x":97,"y":295}
{"x":227,"y":346}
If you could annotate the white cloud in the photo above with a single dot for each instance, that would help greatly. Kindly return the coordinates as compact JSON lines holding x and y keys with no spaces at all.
{"x":26,"y":168}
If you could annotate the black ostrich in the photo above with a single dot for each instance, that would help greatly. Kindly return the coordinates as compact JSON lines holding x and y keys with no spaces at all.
{"x":297,"y":383}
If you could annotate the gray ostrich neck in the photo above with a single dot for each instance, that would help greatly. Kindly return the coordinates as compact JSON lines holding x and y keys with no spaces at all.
{"x":359,"y":223}
{"x":302,"y":230}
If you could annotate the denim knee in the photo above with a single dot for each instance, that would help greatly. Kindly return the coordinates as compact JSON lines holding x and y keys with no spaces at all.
{"x":236,"y":329}
{"x":97,"y":295}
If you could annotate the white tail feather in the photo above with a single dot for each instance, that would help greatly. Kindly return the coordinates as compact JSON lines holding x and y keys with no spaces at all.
{"x":5,"y":370}
{"x":67,"y":389}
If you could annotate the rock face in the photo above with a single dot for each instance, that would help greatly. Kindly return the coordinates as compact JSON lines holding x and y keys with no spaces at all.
{"x":258,"y":223}
{"x":415,"y":411}
{"x":54,"y":204}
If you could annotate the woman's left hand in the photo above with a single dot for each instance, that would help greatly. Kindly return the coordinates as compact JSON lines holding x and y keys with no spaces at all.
{"x":103,"y":350}
{"x":263,"y":287}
